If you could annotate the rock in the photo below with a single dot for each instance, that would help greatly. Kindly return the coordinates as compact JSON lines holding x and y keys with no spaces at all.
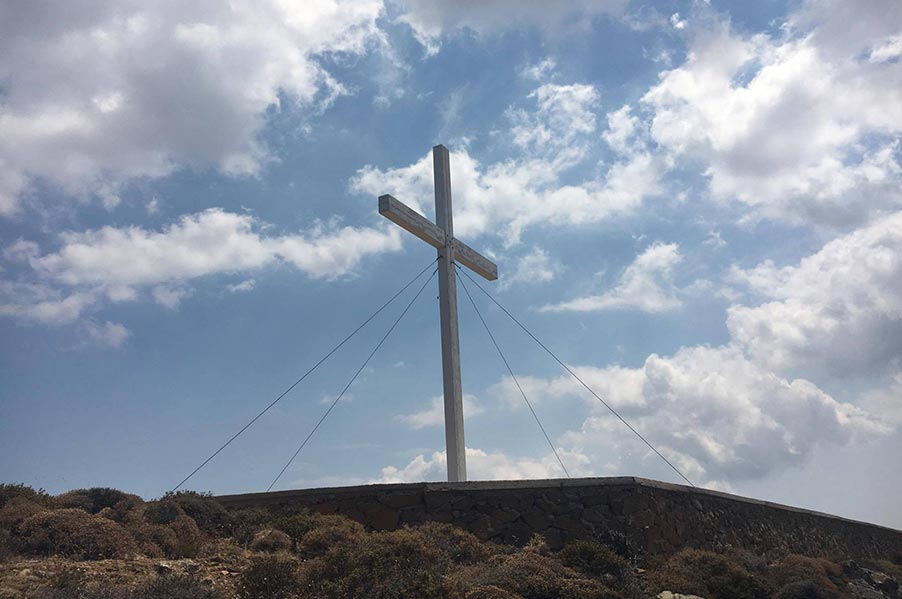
{"x":672,"y":595}
{"x":164,"y":568}
{"x":885,"y":583}
{"x":862,"y":590}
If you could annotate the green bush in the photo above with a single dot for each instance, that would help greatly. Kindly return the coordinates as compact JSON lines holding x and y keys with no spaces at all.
{"x":708,"y":574}
{"x":93,"y":500}
{"x":532,"y":576}
{"x":330,"y":531}
{"x":8,"y":491}
{"x":270,"y":541}
{"x":457,"y":544}
{"x":269,"y":578}
{"x":381,"y":565}
{"x":75,"y":534}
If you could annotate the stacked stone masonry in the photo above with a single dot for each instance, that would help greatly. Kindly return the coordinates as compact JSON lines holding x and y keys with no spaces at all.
{"x":650,"y":516}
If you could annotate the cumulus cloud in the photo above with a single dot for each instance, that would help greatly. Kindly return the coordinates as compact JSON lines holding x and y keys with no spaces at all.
{"x":646,"y":285}
{"x":119,"y":264}
{"x":554,"y":134}
{"x":98,"y":93}
{"x":717,"y":415}
{"x":430,"y":19}
{"x":535,"y":267}
{"x":798,"y":127}
{"x":434,"y":415}
{"x":107,"y":334}
{"x":839,"y":309}
{"x":482,"y":465}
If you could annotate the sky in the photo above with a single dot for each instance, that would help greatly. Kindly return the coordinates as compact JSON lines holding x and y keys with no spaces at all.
{"x":696,"y":205}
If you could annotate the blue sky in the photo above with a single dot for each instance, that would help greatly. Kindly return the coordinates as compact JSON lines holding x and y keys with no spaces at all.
{"x":697,"y":205}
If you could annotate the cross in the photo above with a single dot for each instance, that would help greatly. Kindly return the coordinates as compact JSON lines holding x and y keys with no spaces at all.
{"x":450,"y":250}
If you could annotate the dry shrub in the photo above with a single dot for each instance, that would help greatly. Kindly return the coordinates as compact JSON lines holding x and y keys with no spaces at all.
{"x":247,"y":522}
{"x":155,"y":540}
{"x":708,"y":574}
{"x":17,"y":510}
{"x":798,"y":568}
{"x":177,"y":586}
{"x":805,"y":589}
{"x":188,"y":536}
{"x":221,"y":551}
{"x":532,"y":576}
{"x":330,"y":531}
{"x":7,"y":546}
{"x":295,"y":526}
{"x":75,"y":534}
{"x":8,"y":491}
{"x":457,"y":544}
{"x":599,"y":561}
{"x":93,"y":500}
{"x":594,"y":559}
{"x":74,"y":584}
{"x":162,"y":511}
{"x":270,"y":541}
{"x":269,"y":578}
{"x":381,"y":565}
{"x":210,"y":516}
{"x":490,"y":592}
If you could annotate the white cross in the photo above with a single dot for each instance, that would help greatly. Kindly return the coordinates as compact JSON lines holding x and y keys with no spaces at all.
{"x":450,"y":250}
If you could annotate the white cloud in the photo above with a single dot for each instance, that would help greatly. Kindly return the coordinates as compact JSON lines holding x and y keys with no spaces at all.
{"x":482,"y":465}
{"x":430,"y":19}
{"x":169,"y":297}
{"x":35,"y":302}
{"x":532,"y":268}
{"x":839,"y":309}
{"x":646,"y":285}
{"x":717,"y":415}
{"x":889,"y":49}
{"x":243,"y":286}
{"x":885,"y":401}
{"x":510,"y":196}
{"x":558,"y":127}
{"x":120,"y":263}
{"x":797,"y":128}
{"x":96,"y":94}
{"x":434,"y":415}
{"x":108,"y":334}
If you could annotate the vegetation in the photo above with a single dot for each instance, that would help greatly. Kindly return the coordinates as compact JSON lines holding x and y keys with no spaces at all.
{"x":105,"y":544}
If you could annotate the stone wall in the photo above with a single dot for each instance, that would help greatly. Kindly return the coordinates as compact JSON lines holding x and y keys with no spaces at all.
{"x":653,"y":517}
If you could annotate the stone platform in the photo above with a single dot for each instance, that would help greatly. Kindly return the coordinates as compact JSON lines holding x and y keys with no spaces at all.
{"x":652,"y":516}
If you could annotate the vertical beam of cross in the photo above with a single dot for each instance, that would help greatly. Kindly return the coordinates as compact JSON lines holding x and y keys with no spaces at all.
{"x":441,"y":236}
{"x":447,"y":297}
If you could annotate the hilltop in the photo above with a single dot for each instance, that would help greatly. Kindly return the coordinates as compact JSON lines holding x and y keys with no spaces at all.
{"x":106,"y":544}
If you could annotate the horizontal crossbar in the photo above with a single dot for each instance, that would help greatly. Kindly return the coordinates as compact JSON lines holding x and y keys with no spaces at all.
{"x":413,"y":222}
